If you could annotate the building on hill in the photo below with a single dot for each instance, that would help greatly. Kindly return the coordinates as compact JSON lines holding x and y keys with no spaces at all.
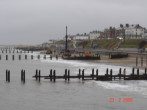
{"x":79,"y":37}
{"x":94,"y":35}
{"x":145,"y":34}
{"x":134,"y":31}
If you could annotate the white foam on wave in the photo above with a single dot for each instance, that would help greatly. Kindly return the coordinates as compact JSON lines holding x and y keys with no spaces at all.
{"x":131,"y":87}
{"x":69,"y":62}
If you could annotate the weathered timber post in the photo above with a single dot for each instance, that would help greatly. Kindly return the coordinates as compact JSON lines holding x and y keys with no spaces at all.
{"x":120,"y":74}
{"x":107,"y":73}
{"x":56,"y":57}
{"x":133,"y":71}
{"x":145,"y":71}
{"x":50,"y":75}
{"x":21,"y":75}
{"x":6,"y":75}
{"x":92,"y":74}
{"x":36,"y":74}
{"x":79,"y":73}
{"x":68,"y":75}
{"x":6,"y":57}
{"x":50,"y":57}
{"x":65,"y":74}
{"x":97,"y":72}
{"x":83,"y":74}
{"x":38,"y":56}
{"x":111,"y":74}
{"x":39,"y":75}
{"x":8,"y":72}
{"x":54,"y":75}
{"x":124,"y":74}
{"x":31,"y":57}
{"x":138,"y":73}
{"x":25,"y":57}
{"x":19,"y":57}
{"x":12,"y":57}
{"x":44,"y":56}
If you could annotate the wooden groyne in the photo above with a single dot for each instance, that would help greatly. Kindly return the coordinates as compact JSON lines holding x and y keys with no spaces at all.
{"x":108,"y":76}
{"x":93,"y":76}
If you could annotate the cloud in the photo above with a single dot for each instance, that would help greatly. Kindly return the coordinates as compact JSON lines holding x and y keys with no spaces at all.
{"x":36,"y":21}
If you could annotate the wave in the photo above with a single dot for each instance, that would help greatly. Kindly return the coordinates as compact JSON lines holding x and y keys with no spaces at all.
{"x":130,"y":86}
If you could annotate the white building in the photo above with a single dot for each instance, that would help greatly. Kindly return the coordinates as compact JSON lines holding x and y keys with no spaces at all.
{"x":134,"y":31}
{"x":78,"y":37}
{"x":94,"y":35}
{"x":145,"y":34}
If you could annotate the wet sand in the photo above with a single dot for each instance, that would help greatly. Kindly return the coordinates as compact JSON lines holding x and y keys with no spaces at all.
{"x":129,"y":61}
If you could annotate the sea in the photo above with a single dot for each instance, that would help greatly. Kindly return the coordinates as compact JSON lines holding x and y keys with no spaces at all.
{"x":63,"y":95}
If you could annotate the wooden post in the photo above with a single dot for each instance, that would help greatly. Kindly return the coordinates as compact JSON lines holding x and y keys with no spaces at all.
{"x":19,"y":57}
{"x":138,"y":73}
{"x":65,"y":74}
{"x":97,"y":72}
{"x":44,"y":56}
{"x":12,"y":57}
{"x":79,"y":73}
{"x":38,"y":56}
{"x":124,"y":74}
{"x":120,"y":74}
{"x":92,"y":74}
{"x":6,"y":57}
{"x":54,"y":75}
{"x":23,"y":75}
{"x":50,"y":57}
{"x":83,"y":74}
{"x":25,"y":57}
{"x":6,"y":75}
{"x":132,"y":71}
{"x":51,"y":75}
{"x":68,"y":75}
{"x":56,"y":57}
{"x":0,"y":57}
{"x":31,"y":57}
{"x":146,"y":60}
{"x":111,"y":74}
{"x":107,"y":73}
{"x":36,"y":74}
{"x":39,"y":75}
{"x":145,"y":71}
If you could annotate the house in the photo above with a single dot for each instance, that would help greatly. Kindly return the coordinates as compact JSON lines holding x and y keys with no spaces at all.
{"x":145,"y":34}
{"x":78,"y":37}
{"x":134,"y":31}
{"x":94,"y":35}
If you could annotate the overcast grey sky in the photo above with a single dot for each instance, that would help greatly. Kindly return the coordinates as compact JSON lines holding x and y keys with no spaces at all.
{"x":37,"y":21}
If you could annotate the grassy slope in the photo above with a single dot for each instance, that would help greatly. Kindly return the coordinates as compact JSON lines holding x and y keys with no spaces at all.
{"x":115,"y":43}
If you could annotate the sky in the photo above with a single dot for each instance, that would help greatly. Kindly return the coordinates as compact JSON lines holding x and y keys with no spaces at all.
{"x":37,"y":21}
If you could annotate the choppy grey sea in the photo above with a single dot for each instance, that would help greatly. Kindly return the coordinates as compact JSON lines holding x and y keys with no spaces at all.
{"x":61,"y":95}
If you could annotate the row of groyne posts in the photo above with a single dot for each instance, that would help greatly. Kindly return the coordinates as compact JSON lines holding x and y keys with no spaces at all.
{"x":140,"y":61}
{"x":13,"y":50}
{"x":25,"y":56}
{"x":81,"y":75}
{"x":22,"y":75}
